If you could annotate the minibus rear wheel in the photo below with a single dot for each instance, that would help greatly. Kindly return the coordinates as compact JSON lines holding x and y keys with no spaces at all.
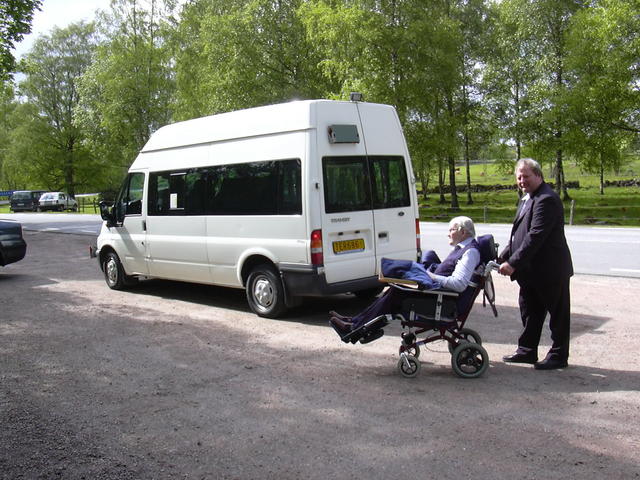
{"x":265,"y":292}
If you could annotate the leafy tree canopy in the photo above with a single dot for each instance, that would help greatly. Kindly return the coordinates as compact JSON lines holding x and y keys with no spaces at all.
{"x":15,"y":21}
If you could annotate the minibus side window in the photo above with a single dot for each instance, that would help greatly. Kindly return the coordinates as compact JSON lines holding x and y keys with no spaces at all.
{"x":257,"y":188}
{"x":346,"y":184}
{"x":390,"y":187}
{"x":176,"y":193}
{"x":289,"y":181}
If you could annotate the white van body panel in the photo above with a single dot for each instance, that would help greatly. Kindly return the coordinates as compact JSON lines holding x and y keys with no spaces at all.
{"x":216,"y":248}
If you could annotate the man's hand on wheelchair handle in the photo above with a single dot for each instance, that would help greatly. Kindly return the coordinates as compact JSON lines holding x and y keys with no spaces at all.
{"x":506,"y":269}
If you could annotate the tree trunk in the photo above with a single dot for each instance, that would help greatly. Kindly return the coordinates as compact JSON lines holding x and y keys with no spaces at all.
{"x":452,"y":183}
{"x":466,"y":162}
{"x":601,"y":173}
{"x":441,"y":182}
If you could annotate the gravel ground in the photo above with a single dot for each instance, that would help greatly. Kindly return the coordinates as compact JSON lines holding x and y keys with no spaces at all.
{"x":170,"y":381}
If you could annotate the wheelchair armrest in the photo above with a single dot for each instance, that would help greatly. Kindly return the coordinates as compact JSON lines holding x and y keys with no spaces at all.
{"x":402,"y":281}
{"x":412,"y":287}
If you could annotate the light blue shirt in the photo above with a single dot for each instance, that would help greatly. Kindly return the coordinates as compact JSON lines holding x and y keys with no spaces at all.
{"x":461,"y":276}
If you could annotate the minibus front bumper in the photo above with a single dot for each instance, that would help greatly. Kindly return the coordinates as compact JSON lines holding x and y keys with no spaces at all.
{"x":310,"y":280}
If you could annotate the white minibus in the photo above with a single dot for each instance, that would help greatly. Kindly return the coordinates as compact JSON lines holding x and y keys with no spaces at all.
{"x":286,"y":201}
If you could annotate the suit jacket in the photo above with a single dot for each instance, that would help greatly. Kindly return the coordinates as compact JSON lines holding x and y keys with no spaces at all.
{"x":538,"y":249}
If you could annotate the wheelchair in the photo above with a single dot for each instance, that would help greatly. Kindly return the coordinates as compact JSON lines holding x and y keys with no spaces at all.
{"x":428,"y":316}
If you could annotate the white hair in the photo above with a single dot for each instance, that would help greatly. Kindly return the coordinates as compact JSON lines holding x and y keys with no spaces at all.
{"x":463,"y":223}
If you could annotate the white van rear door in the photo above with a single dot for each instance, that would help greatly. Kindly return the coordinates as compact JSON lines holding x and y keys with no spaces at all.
{"x":349,"y":240}
{"x":393,"y":192}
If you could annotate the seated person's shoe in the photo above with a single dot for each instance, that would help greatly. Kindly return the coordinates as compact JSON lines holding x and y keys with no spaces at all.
{"x":551,"y":362}
{"x":529,"y":357}
{"x":342,"y":328}
{"x":335,"y":314}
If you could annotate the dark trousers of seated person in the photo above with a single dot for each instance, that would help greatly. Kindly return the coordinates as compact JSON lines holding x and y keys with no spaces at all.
{"x":389,"y":303}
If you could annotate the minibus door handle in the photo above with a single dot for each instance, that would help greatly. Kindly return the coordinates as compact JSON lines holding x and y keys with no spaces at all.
{"x":401,"y":213}
{"x":144,"y":225}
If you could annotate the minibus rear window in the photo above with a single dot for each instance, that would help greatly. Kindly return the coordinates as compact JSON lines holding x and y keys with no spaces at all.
{"x":364,"y":183}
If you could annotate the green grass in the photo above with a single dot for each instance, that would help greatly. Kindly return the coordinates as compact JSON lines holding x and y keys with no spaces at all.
{"x":618,"y":205}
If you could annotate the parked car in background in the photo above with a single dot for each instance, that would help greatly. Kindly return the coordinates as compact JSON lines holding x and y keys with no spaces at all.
{"x":25,"y":200}
{"x":12,"y":244}
{"x":59,"y":201}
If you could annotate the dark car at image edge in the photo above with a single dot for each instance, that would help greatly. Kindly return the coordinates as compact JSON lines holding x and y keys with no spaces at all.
{"x":12,"y":244}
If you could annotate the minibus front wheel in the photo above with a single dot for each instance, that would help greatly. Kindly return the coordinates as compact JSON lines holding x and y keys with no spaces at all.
{"x":114,"y":273}
{"x":265,"y":292}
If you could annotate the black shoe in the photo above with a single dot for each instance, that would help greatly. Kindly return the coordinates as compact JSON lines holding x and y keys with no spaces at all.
{"x":335,"y":314}
{"x":341,"y":328}
{"x":530,"y":357}
{"x":551,"y":363}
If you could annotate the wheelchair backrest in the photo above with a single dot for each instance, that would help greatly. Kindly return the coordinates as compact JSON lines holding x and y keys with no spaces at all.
{"x":487,"y":247}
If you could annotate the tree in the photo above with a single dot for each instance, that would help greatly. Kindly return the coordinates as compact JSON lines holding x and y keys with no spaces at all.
{"x":241,"y":53}
{"x":603,"y":103}
{"x":508,"y":73}
{"x":15,"y":21}
{"x":7,"y":107}
{"x":52,"y":69}
{"x":546,"y":24}
{"x":127,"y":92}
{"x":401,"y":52}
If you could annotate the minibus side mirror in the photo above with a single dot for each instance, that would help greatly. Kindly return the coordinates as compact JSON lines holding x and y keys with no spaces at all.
{"x":107,"y":214}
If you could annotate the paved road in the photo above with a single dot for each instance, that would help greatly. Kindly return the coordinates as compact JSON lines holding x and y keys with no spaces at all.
{"x":595,"y":250}
{"x":607,"y":251}
{"x":78,"y":223}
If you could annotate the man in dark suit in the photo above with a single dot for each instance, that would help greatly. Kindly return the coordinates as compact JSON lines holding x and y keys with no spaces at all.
{"x":538,"y":258}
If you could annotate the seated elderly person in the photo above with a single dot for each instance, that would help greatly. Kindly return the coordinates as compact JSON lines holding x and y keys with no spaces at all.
{"x":454,"y":273}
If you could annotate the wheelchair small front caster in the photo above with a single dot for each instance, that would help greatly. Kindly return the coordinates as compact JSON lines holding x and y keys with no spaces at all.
{"x":408,"y":365}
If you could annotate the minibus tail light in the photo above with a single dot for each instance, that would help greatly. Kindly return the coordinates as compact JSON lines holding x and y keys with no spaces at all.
{"x":317,"y":257}
{"x":418,"y":234}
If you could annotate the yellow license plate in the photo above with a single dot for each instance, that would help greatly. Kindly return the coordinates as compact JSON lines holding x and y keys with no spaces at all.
{"x":348,"y":246}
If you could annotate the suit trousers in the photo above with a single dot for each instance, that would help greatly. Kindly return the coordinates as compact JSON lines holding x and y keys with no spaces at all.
{"x":535,"y":301}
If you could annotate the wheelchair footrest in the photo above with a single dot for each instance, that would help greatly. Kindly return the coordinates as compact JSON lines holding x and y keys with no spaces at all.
{"x":371,"y":336}
{"x":368,"y":330}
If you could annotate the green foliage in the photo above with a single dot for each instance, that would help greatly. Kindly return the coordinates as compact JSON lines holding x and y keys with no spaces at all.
{"x":126,"y":93}
{"x":46,"y":143}
{"x":237,"y":54}
{"x":471,"y":79}
{"x":15,"y":21}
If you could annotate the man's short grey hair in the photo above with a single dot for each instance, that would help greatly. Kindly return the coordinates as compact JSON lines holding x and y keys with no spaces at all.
{"x":532,"y":164}
{"x":463,"y":223}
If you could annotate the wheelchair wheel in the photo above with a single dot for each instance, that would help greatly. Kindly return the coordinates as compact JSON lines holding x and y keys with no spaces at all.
{"x":468,"y":335}
{"x":469,"y":360}
{"x":408,"y":365}
{"x":413,"y":350}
